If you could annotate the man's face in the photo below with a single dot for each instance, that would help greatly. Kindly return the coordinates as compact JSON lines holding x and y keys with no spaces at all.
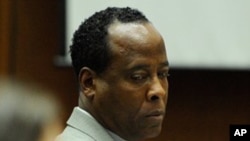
{"x":131,"y":94}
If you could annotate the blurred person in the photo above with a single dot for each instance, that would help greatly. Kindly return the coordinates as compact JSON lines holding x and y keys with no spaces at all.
{"x":27,"y":112}
{"x":120,"y":60}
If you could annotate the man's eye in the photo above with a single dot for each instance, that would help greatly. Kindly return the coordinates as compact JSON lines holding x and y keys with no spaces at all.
{"x":138,"y":77}
{"x":163,"y":75}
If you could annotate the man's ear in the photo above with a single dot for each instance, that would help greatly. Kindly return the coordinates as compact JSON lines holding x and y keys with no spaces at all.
{"x":86,"y":78}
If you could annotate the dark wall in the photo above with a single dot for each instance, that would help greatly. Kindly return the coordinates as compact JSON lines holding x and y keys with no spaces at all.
{"x":201,"y":105}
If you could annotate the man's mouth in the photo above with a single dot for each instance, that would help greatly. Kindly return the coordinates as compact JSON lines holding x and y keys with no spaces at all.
{"x":157,"y":114}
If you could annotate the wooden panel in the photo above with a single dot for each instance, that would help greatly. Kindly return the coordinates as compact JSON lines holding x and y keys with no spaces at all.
{"x":5,"y":29}
{"x":38,"y":39}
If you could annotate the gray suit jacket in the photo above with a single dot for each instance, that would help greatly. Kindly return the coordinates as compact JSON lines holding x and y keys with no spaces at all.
{"x":82,"y":127}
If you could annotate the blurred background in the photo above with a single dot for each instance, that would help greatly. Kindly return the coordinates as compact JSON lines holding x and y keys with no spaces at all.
{"x":203,"y":100}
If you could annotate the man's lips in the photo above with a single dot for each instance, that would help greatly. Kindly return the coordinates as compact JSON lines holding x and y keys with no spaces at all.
{"x":156,"y":113}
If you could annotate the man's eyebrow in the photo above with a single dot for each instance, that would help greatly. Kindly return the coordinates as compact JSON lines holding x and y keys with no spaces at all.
{"x":140,"y":66}
{"x":165,"y":64}
{"x":144,"y":66}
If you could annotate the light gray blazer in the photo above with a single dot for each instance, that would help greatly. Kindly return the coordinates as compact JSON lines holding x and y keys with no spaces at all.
{"x":82,"y":127}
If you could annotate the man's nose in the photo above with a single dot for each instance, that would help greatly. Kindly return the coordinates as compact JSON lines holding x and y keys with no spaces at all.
{"x":157,"y":90}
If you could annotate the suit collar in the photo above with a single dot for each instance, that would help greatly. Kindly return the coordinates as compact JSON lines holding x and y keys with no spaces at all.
{"x":84,"y":122}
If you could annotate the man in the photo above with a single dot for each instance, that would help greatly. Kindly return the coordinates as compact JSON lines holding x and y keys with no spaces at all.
{"x":122,"y":67}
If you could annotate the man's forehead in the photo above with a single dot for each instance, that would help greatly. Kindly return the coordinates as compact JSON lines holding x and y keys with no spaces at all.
{"x":133,"y":34}
{"x":119,"y":29}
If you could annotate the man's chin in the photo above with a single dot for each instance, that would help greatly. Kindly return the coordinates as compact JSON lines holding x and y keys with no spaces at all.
{"x":152,"y":132}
